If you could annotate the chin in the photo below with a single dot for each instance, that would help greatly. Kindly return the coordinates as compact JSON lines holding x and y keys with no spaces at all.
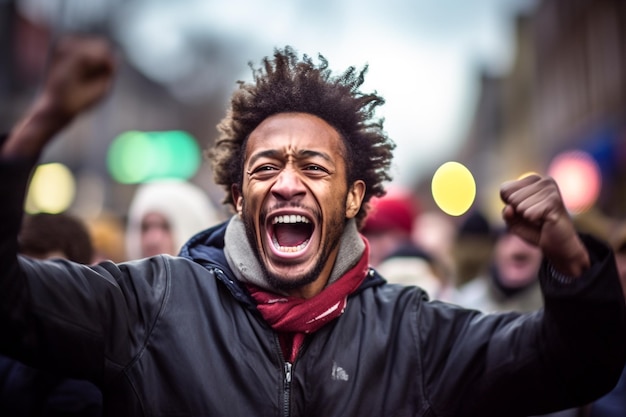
{"x":287,"y":281}
{"x":280,"y":282}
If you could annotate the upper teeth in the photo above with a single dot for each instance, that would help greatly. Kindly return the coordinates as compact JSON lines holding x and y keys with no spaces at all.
{"x":290,"y":218}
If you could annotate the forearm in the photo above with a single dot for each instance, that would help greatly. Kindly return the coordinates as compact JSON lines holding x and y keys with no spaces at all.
{"x":588,"y":312}
{"x":34,"y":130}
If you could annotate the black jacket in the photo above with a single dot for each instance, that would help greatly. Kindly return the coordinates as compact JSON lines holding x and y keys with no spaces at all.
{"x":179,"y":336}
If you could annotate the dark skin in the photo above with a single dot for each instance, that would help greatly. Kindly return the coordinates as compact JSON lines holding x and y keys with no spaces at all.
{"x":81,"y":72}
{"x":296,"y":168}
{"x":534,"y":210}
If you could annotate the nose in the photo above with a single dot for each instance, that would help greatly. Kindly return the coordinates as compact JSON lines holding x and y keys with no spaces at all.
{"x":288,"y":184}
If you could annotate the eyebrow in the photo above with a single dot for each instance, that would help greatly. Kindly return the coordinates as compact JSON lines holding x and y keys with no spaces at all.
{"x":276,"y":154}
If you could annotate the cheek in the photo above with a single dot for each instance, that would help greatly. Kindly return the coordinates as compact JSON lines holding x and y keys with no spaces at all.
{"x":252,"y":200}
{"x":252,"y":208}
{"x":336,"y":194}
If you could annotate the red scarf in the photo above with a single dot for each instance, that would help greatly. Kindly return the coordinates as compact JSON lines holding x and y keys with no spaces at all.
{"x":293,"y":317}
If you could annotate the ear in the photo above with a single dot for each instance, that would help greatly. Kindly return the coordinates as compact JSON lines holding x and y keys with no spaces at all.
{"x":354,"y":198}
{"x":237,"y":198}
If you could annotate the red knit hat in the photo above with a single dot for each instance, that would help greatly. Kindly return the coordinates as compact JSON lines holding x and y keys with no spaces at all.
{"x":396,"y":210}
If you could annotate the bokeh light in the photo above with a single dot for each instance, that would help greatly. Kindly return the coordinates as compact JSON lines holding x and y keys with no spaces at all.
{"x":578,"y":177}
{"x":52,"y":189}
{"x":453,"y":188}
{"x":527,"y":174}
{"x":135,"y":157}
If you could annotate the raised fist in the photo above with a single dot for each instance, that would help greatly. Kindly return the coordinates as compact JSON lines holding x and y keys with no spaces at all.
{"x":534,"y":210}
{"x":79,"y":74}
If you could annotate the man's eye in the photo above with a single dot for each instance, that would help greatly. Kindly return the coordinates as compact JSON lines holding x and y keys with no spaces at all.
{"x":263,"y":171}
{"x":315,"y":171}
{"x":315,"y":168}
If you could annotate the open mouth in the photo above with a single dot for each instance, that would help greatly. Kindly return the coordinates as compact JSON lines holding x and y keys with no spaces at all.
{"x":291,"y":232}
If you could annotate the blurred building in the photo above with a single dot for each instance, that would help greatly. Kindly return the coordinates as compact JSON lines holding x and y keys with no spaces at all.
{"x":136,"y":102}
{"x":23,"y":55}
{"x":566,"y":90}
{"x":580,"y":88}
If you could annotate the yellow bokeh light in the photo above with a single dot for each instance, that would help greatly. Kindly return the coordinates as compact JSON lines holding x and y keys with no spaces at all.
{"x":527,"y":174}
{"x":52,"y":189}
{"x":453,"y":188}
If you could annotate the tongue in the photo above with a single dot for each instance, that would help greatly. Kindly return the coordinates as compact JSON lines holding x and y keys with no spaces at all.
{"x":289,"y":235}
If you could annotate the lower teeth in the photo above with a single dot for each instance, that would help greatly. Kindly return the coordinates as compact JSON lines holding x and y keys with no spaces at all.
{"x":290,"y":249}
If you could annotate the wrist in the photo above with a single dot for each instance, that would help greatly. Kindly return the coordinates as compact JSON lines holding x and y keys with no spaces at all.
{"x":30,"y":135}
{"x":573,"y":265}
{"x":48,"y":115}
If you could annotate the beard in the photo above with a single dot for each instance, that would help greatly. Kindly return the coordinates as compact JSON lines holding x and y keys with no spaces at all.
{"x":283,"y":282}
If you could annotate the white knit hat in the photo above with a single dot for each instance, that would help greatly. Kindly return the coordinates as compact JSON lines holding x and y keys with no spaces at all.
{"x":186,"y":207}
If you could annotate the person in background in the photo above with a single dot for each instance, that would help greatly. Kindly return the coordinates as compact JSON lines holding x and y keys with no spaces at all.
{"x":389,"y":223}
{"x":276,"y":311}
{"x":511,"y":281}
{"x":29,"y":392}
{"x":389,"y":228}
{"x":164,"y":214}
{"x":46,"y":235}
{"x":108,"y":233}
{"x":472,"y":248}
{"x":434,"y":231}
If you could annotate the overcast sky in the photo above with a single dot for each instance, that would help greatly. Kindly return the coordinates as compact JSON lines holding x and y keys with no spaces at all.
{"x":423,"y":55}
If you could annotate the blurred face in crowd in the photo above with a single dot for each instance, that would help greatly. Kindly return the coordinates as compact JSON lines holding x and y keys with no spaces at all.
{"x":156,"y":235}
{"x":382,"y":243}
{"x":295,"y":199}
{"x":517,"y":261}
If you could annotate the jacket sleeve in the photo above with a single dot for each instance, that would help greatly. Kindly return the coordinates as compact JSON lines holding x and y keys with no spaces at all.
{"x":562,"y":356}
{"x":81,"y":321}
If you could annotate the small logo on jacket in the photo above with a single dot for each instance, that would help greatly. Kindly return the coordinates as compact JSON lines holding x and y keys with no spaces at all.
{"x":338,"y":373}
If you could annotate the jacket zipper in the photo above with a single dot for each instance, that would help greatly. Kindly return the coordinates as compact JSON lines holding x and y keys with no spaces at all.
{"x":287,"y":388}
{"x":287,"y":366}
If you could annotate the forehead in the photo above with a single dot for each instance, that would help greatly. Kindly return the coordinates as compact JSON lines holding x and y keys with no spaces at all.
{"x":292,"y":133}
{"x":153,"y":217}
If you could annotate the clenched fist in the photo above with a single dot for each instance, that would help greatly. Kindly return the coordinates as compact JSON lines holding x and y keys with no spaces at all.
{"x":79,"y":74}
{"x":534,"y":210}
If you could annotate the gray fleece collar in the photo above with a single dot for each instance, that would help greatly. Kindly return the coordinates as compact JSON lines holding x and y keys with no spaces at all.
{"x":246,"y":267}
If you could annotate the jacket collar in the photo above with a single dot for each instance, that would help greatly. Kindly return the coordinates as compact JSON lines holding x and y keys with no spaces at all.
{"x":207,"y":249}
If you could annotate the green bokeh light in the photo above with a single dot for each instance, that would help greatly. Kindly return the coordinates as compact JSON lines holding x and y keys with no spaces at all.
{"x":135,"y":157}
